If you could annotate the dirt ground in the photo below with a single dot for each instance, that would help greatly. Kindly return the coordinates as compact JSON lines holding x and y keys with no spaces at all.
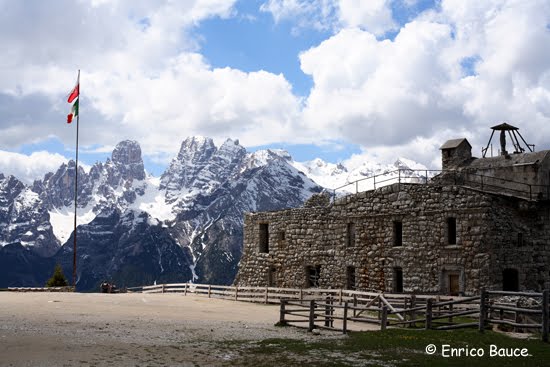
{"x":79,"y":329}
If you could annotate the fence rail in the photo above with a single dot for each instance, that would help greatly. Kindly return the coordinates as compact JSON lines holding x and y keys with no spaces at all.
{"x":344,"y":310}
{"x":40,"y":289}
{"x":430,"y":313}
{"x":466,"y":178}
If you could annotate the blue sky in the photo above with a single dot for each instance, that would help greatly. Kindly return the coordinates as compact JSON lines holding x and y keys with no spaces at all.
{"x":342,"y":80}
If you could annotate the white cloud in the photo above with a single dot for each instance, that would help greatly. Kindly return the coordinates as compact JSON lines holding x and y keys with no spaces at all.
{"x":373,"y":15}
{"x":386,"y":95}
{"x":28,"y":168}
{"x":141,"y":77}
{"x":459,"y":68}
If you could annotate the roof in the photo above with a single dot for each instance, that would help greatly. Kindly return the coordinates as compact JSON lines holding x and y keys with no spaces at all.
{"x":454,"y":143}
{"x":511,"y":160}
{"x":504,"y":126}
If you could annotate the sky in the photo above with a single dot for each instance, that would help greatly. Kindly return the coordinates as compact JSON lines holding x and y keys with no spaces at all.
{"x":343,"y":80}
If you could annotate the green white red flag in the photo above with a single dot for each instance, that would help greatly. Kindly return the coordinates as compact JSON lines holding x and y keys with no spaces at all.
{"x":74,"y":112}
{"x":73,"y":97}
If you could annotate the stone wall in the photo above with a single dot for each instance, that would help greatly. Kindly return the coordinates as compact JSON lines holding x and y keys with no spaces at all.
{"x":358,"y":232}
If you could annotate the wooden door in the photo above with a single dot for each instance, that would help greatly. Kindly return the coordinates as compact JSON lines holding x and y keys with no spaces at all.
{"x":454,"y":288}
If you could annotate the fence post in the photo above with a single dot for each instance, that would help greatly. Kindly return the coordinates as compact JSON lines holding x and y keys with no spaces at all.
{"x":340,"y":296}
{"x":429,"y":302}
{"x":311,"y":315}
{"x":517,"y":318}
{"x":399,"y":182}
{"x":266,"y":295}
{"x":482,"y":310}
{"x":412,"y":314}
{"x":282,"y":312}
{"x":185,"y":292}
{"x":327,"y":311}
{"x":545,"y":315}
{"x":354,"y":305}
{"x":451,"y":313}
{"x":331,"y":311}
{"x":163,"y":288}
{"x":301,"y":295}
{"x":345,"y":319}
{"x":384,"y":319}
{"x":236,"y":293}
{"x":209,"y":290}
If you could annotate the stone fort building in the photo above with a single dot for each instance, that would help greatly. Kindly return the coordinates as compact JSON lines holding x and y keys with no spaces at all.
{"x":480,"y":223}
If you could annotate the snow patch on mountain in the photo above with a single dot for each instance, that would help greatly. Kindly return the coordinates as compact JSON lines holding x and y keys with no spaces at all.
{"x":153,"y":201}
{"x":62,"y":220}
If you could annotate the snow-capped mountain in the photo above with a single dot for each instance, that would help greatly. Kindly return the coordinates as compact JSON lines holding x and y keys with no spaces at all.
{"x":24,"y":218}
{"x":344,"y":175}
{"x":185,"y":225}
{"x":197,"y":205}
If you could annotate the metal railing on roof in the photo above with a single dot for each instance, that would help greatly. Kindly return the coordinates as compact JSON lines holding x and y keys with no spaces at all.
{"x":477,"y":181}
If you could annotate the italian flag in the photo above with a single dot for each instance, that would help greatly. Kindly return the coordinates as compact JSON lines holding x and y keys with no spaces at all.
{"x":73,"y":97}
{"x":74,"y":112}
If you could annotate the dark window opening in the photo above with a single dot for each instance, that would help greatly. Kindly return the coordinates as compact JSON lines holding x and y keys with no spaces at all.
{"x":272,"y":277}
{"x":264,"y":238}
{"x":454,"y":285}
{"x":520,"y":239}
{"x":351,"y":234}
{"x":398,"y":280}
{"x":451,"y":231}
{"x":397,"y":233}
{"x":510,"y":280}
{"x":282,"y":235}
{"x":350,"y":278}
{"x":313,"y":274}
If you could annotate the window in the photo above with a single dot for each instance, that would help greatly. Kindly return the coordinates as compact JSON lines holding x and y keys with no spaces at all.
{"x":264,"y":238}
{"x":312,"y":276}
{"x":520,"y":239}
{"x":272,"y":277}
{"x":350,"y":278}
{"x":398,"y":280}
{"x":451,"y":231}
{"x":397,"y":233}
{"x":350,"y":234}
{"x":510,"y":281}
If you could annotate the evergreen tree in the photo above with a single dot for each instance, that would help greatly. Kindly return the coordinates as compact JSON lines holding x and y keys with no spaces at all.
{"x":58,"y":278}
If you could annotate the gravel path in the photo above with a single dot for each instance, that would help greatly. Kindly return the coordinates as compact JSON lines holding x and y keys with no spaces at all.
{"x":76,"y":329}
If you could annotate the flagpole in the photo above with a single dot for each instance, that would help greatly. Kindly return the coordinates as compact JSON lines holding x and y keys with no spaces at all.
{"x":76,"y":184}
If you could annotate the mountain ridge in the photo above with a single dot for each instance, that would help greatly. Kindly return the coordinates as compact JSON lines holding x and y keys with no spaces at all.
{"x":197,"y":204}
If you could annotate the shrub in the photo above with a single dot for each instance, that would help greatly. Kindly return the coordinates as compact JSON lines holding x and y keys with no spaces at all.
{"x":58,"y":278}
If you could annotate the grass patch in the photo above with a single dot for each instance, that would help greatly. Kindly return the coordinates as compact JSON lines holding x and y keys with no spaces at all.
{"x":395,"y":347}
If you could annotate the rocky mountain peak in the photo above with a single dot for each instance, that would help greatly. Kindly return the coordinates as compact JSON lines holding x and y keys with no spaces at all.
{"x":127,"y":152}
{"x":232,"y":149}
{"x":127,"y":158}
{"x":196,"y":149}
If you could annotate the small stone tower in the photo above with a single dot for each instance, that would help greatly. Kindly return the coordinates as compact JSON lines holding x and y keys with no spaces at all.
{"x":455,"y":152}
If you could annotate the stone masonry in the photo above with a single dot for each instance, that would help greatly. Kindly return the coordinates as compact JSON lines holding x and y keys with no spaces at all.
{"x":424,"y":238}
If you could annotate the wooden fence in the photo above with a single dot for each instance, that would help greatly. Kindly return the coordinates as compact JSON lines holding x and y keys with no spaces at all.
{"x":275,"y":295}
{"x":40,"y":289}
{"x":346,"y":310}
{"x":428,"y":313}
